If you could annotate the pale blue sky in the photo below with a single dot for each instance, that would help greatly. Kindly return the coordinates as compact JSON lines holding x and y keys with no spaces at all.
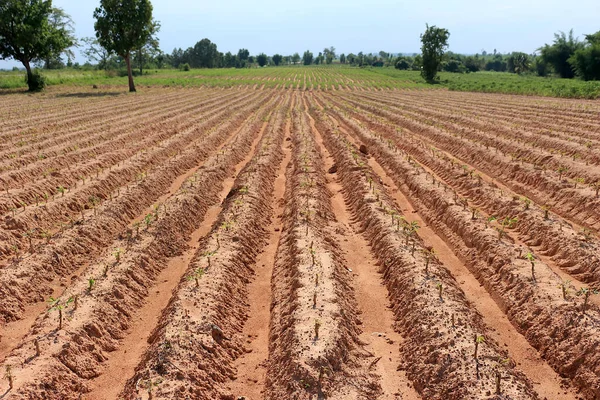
{"x":286,"y":26}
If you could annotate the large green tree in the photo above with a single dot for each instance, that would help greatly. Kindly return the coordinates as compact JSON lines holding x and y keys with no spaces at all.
{"x":277,"y":59}
{"x":33,"y":30}
{"x":123,"y":26}
{"x":586,"y":61}
{"x":434,"y":42}
{"x":558,"y":53}
{"x":307,"y":57}
{"x":262,"y":59}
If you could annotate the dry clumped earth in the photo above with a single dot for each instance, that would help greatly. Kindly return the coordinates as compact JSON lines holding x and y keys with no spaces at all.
{"x":253,"y":243}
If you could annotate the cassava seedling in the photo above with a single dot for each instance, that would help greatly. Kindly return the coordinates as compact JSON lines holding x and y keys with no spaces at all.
{"x":91,"y":283}
{"x":596,"y":186}
{"x":317,"y":326}
{"x":315,"y":299}
{"x":531,"y":258}
{"x":56,"y":304}
{"x":546,"y":209}
{"x":440,"y":289}
{"x":586,"y":292}
{"x":148,"y":220}
{"x":561,"y":170}
{"x":564,"y":285}
{"x":117,"y":253}
{"x":8,"y":375}
{"x":36,"y":342}
{"x":580,"y":181}
{"x":478,"y":339}
{"x":196,"y":275}
{"x":526,"y":201}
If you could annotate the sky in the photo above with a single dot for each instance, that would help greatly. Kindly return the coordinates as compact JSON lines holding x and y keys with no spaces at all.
{"x":285,"y":26}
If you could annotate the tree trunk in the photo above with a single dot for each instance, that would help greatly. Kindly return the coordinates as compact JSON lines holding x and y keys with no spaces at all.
{"x":129,"y":73}
{"x":141,"y":62}
{"x":29,"y":76}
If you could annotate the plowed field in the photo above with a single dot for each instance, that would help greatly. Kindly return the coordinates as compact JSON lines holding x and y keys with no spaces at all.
{"x":289,"y":243}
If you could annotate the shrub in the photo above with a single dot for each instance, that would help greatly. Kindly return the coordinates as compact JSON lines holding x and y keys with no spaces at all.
{"x":36,"y":82}
{"x":184,"y":67}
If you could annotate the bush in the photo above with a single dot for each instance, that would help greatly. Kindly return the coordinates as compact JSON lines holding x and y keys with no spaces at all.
{"x":402,"y":64}
{"x":184,"y":67}
{"x":37,"y":82}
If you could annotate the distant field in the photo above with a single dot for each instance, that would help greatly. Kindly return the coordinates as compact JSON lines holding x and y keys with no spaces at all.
{"x":323,"y":78}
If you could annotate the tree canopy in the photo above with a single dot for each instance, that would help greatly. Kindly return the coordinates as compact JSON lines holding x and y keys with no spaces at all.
{"x":33,"y":30}
{"x":586,"y":60}
{"x":434,"y":43}
{"x":123,"y":26}
{"x":558,"y":53}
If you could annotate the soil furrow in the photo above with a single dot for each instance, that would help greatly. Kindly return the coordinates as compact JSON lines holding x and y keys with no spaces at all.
{"x":536,"y":307}
{"x":576,"y":258}
{"x":251,"y":366}
{"x":414,"y":277}
{"x":315,"y":348}
{"x":21,"y":283}
{"x":202,"y":353}
{"x":106,"y":311}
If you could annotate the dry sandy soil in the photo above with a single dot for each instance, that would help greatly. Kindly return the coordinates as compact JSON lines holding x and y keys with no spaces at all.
{"x":254,"y":243}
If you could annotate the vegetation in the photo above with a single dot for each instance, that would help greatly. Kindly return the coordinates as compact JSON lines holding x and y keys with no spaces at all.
{"x":58,"y":305}
{"x":434,"y":42}
{"x":123,"y":26}
{"x":33,"y":30}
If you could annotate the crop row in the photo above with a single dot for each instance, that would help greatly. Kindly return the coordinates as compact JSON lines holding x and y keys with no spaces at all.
{"x":102,"y":302}
{"x":444,"y":336}
{"x":578,"y":204}
{"x":24,"y":281}
{"x":49,"y":217}
{"x":314,"y":349}
{"x":562,"y":328}
{"x":198,"y":336}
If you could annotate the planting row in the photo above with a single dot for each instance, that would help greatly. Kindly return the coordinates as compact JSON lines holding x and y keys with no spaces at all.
{"x":192,"y":350}
{"x":447,"y":352}
{"x":563,"y":328}
{"x":578,"y":204}
{"x":62,"y":355}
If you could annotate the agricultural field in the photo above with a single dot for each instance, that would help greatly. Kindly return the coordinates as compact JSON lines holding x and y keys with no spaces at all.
{"x":321,"y":78}
{"x":313,"y":235}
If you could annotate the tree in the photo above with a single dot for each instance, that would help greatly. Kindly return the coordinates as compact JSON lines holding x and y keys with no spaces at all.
{"x":33,"y":30}
{"x":123,"y":26}
{"x":60,"y":20}
{"x":342,"y":58}
{"x":307,"y":58}
{"x":204,"y":54}
{"x":586,"y":61}
{"x":96,"y":53}
{"x":328,"y":54}
{"x":402,"y":64}
{"x":148,"y":51}
{"x":560,"y":51}
{"x":434,"y":42}
{"x":242,"y":57}
{"x":518,"y":63}
{"x":277,"y":59}
{"x":262,"y":59}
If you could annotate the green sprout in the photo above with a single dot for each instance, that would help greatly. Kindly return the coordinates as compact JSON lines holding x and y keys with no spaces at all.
{"x":196,"y":275}
{"x":57,"y":305}
{"x":478,"y":339}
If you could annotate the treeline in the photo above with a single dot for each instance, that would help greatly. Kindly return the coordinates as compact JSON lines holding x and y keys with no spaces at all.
{"x":566,"y":57}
